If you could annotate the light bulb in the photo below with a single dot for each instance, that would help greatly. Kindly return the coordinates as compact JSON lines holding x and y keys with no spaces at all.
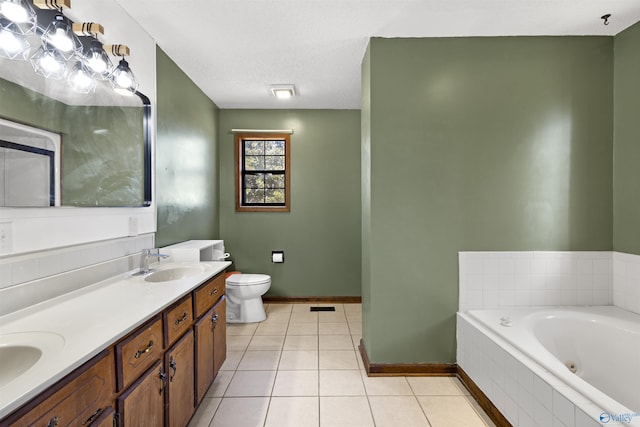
{"x":123,"y":79}
{"x":49,"y":63}
{"x":81,"y":80}
{"x":97,"y":63}
{"x":9,"y":42}
{"x":60,"y":40}
{"x":15,"y":12}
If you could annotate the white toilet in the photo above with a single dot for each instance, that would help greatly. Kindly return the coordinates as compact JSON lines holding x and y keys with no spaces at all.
{"x":244,"y":302}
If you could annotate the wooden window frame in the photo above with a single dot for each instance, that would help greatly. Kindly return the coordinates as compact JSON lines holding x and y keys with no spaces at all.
{"x":239,"y":137}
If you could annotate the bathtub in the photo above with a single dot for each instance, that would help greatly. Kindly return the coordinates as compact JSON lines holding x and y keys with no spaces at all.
{"x":595,"y":351}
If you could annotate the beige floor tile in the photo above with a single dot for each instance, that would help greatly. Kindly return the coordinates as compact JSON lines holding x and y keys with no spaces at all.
{"x":272,"y":328}
{"x":279,"y":308}
{"x":296,"y":383}
{"x":302,"y":308}
{"x":446,"y":411}
{"x":341,"y":383}
{"x":301,"y":342}
{"x":241,"y":412}
{"x":337,"y":359}
{"x":350,"y":411}
{"x":232,"y":360}
{"x":394,"y":411}
{"x":331,"y":317}
{"x":204,"y":415}
{"x":277,"y":316}
{"x":259,"y":361}
{"x":352,"y":308}
{"x":335,"y":342}
{"x":355,"y":329}
{"x":387,"y":386}
{"x":237,"y":342}
{"x":333,"y":329}
{"x":220,"y":384}
{"x":266,"y":342}
{"x":298,"y":360}
{"x":302,"y":329}
{"x":251,"y":384}
{"x":434,"y":386}
{"x":293,"y":412}
{"x":241,"y":328}
{"x":303,"y":317}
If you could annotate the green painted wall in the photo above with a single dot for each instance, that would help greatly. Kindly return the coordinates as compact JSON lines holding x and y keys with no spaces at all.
{"x":626,"y":195}
{"x":477,"y":144}
{"x":186,"y":158}
{"x":321,"y":234}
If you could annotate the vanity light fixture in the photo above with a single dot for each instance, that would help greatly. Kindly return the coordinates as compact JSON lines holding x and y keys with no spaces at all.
{"x":283,"y":91}
{"x":94,"y":55}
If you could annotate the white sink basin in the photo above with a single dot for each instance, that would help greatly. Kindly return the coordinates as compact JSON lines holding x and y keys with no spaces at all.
{"x":20,"y":351}
{"x":171,"y":274}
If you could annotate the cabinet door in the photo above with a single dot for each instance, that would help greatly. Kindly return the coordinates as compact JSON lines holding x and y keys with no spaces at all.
{"x":76,"y":400}
{"x":103,"y":419}
{"x":142,"y":404}
{"x":180,"y":393}
{"x":219,"y":334}
{"x":204,"y":354}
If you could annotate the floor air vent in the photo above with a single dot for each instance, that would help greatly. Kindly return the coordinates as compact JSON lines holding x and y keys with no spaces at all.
{"x":322,"y":308}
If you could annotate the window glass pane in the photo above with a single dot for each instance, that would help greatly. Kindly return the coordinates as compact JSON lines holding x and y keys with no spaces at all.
{"x":274,"y":181}
{"x":274,"y":196}
{"x":274,"y":148}
{"x":254,"y":196}
{"x":252,"y":163}
{"x":274,"y":163}
{"x":254,"y":147}
{"x":254,"y":180}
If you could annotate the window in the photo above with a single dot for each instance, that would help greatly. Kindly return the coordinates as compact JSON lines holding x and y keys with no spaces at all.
{"x":262,"y":172}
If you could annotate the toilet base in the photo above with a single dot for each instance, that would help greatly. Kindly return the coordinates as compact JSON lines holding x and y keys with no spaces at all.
{"x":249,"y":311}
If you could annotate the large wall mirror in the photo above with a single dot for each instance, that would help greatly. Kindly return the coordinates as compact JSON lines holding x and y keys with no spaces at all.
{"x":104,"y":142}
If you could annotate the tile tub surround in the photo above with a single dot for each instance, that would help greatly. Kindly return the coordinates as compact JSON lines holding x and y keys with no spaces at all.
{"x":626,"y":281}
{"x":32,"y":278}
{"x":521,"y":279}
{"x":303,"y":369}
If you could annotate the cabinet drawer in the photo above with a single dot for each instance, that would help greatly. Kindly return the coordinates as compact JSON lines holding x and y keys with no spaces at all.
{"x":75,"y":401}
{"x":207,"y":294}
{"x":136,"y":353}
{"x":177,"y":320}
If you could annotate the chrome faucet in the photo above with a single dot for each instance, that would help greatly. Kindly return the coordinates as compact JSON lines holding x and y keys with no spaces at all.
{"x":144,"y":259}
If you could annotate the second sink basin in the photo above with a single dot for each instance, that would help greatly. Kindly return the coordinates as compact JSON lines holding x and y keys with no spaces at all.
{"x":19,"y":352}
{"x":171,"y":274}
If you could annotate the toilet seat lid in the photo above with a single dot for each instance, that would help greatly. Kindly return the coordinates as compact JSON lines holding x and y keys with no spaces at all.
{"x":248,"y":279}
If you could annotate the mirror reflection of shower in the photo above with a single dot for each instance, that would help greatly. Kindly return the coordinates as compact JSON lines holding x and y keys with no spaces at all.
{"x":29,"y":166}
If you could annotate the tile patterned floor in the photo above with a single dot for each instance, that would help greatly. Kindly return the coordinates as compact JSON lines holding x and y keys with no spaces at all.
{"x":301,"y":368}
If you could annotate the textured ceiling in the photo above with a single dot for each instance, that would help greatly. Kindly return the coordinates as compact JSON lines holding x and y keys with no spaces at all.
{"x":235,"y":49}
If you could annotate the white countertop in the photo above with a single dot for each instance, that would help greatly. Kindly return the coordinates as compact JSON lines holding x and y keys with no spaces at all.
{"x":83,"y":323}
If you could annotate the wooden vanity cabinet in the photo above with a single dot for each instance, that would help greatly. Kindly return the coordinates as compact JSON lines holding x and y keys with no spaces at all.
{"x":204,"y":330}
{"x":77,"y":400}
{"x":179,"y":368}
